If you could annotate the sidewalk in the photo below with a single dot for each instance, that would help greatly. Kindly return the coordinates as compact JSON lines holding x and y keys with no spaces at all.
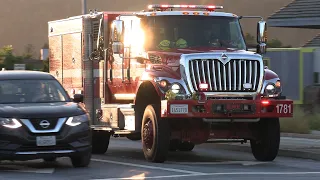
{"x":306,"y":146}
{"x":312,"y":135}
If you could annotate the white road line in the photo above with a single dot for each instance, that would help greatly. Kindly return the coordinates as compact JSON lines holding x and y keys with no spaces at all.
{"x":19,"y":168}
{"x":146,"y":166}
{"x":244,"y":163}
{"x":215,"y":174}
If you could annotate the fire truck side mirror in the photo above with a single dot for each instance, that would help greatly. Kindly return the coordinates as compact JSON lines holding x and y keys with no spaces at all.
{"x":117,"y":34}
{"x":117,"y":31}
{"x":261,"y":48}
{"x":262,"y":37}
{"x":262,"y":32}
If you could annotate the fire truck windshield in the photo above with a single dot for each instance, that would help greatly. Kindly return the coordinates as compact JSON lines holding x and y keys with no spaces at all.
{"x":197,"y":31}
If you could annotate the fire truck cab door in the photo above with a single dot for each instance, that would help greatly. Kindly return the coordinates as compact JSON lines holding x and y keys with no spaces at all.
{"x":129,"y":68}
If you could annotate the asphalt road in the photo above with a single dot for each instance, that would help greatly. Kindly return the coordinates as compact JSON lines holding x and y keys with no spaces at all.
{"x":125,"y":160}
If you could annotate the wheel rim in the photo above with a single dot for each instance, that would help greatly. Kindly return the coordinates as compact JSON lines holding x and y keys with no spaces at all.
{"x":148,"y":134}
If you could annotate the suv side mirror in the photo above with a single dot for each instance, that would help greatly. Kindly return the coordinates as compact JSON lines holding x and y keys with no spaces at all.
{"x":117,"y":36}
{"x":262,"y":37}
{"x":78,"y":98}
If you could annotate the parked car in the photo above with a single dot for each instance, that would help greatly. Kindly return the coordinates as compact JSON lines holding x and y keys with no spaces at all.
{"x":39,"y":120}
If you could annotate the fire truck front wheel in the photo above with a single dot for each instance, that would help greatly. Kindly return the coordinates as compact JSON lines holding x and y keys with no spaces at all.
{"x":155,"y":133}
{"x":100,"y":141}
{"x":266,"y":145}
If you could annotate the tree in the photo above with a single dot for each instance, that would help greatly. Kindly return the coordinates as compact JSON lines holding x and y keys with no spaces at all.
{"x":45,"y":46}
{"x":46,"y":65}
{"x":6,"y":53}
{"x":6,"y":50}
{"x":250,"y":40}
{"x":273,"y":43}
{"x":276,"y":43}
{"x":29,"y":51}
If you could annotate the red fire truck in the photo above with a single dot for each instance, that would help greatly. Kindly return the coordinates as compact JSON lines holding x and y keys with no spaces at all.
{"x":172,"y":76}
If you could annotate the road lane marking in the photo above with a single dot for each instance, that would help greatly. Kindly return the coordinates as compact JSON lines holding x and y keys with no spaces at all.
{"x":244,"y":163}
{"x":146,"y":166}
{"x":214,"y":174}
{"x":19,"y":168}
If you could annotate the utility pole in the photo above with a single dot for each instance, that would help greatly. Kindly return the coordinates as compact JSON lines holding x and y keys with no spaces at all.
{"x":84,"y":6}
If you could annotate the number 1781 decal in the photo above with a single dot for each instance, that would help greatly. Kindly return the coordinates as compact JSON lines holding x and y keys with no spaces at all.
{"x":284,"y":108}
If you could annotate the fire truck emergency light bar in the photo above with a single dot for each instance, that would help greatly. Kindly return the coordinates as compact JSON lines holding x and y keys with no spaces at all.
{"x":209,"y":7}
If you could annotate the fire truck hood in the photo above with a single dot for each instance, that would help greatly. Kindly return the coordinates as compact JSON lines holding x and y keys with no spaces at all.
{"x":172,"y":57}
{"x":202,"y":50}
{"x":40,"y":110}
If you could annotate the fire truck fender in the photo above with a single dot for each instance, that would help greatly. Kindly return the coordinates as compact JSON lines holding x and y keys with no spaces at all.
{"x":269,"y":74}
{"x":147,"y":93}
{"x":270,"y":77}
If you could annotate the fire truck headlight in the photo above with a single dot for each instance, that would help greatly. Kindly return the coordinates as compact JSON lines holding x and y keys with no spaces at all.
{"x":270,"y":89}
{"x":175,"y":88}
{"x":172,"y":85}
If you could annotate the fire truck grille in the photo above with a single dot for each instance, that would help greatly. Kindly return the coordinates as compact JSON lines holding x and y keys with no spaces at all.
{"x":229,"y":77}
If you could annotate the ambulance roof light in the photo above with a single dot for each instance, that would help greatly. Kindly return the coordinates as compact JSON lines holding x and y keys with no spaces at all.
{"x":167,"y":6}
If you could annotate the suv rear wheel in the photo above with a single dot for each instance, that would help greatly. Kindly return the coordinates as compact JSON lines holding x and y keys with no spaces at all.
{"x":266,"y":145}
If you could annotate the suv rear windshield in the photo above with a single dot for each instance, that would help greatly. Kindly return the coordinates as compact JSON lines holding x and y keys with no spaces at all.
{"x":31,"y":91}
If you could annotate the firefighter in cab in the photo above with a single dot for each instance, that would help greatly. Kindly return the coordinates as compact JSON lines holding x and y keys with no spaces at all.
{"x":167,"y":45}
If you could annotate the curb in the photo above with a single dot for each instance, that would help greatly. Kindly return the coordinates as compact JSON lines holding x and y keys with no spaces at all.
{"x":282,"y":152}
{"x":306,"y":136}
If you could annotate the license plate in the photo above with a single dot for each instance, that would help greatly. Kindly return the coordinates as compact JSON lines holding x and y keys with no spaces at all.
{"x":46,"y":141}
{"x":179,"y":108}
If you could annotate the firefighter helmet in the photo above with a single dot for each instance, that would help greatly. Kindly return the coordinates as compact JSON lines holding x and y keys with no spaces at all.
{"x":181,"y":43}
{"x":164,"y":45}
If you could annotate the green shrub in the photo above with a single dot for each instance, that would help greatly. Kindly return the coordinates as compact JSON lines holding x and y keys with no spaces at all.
{"x":314,"y":120}
{"x":297,"y":124}
{"x":301,"y":122}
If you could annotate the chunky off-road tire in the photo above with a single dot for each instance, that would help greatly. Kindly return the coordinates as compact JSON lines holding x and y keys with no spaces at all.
{"x":100,"y":142}
{"x":266,"y":146}
{"x":155,"y":133}
{"x":81,"y":160}
{"x":186,"y":146}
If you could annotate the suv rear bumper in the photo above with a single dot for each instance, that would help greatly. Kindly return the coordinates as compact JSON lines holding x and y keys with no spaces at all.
{"x":227,"y":109}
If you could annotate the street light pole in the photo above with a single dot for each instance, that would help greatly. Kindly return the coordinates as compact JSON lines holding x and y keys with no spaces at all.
{"x":84,"y":6}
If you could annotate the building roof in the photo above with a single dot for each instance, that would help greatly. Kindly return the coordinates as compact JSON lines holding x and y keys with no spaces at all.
{"x":297,"y":14}
{"x":315,"y":42}
{"x":24,"y":75}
